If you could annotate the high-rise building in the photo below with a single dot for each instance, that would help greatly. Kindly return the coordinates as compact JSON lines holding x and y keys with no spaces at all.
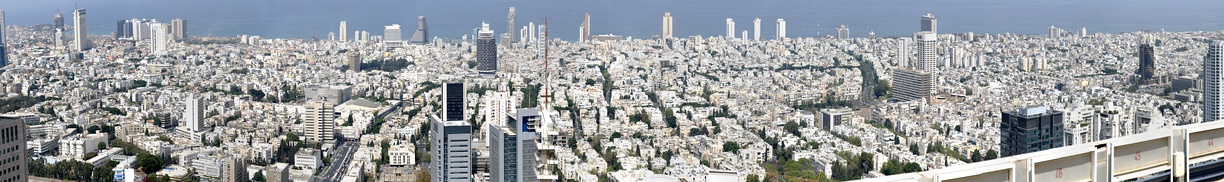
{"x":334,"y":94}
{"x":730,"y":28}
{"x":354,"y":61}
{"x":781,"y":29}
{"x":343,"y":31}
{"x":123,"y":29}
{"x":486,"y":51}
{"x":3,"y":41}
{"x":1147,"y":60}
{"x":79,"y":35}
{"x":234,"y":169}
{"x":911,"y":85}
{"x":1213,"y":76}
{"x":667,"y":25}
{"x":319,"y":121}
{"x":1083,"y":32}
{"x":511,"y":24}
{"x":929,"y":24}
{"x":392,"y":35}
{"x":514,"y":148}
{"x":80,"y":39}
{"x":14,"y":143}
{"x":57,"y":20}
{"x":756,"y":29}
{"x":926,"y":52}
{"x":744,"y":35}
{"x":193,"y":114}
{"x":452,"y":147}
{"x":1055,"y":32}
{"x":452,"y":101}
{"x":843,"y":32}
{"x":179,"y":27}
{"x":1030,"y":129}
{"x":903,"y":52}
{"x":586,"y":27}
{"x":161,"y":38}
{"x":422,"y":33}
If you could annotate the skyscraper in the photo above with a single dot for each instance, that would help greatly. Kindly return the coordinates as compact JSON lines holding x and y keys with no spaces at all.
{"x":3,"y":41}
{"x":514,"y":148}
{"x":354,"y":61}
{"x":392,"y":35}
{"x":180,"y":28}
{"x":486,"y":51}
{"x":1147,"y":60}
{"x":781,"y":29}
{"x":1030,"y":129}
{"x":667,"y":25}
{"x":422,"y":33}
{"x":161,"y":38}
{"x":80,"y":39}
{"x":343,"y":31}
{"x":926,"y":52}
{"x":730,"y":28}
{"x":452,"y":101}
{"x":319,"y":121}
{"x":1213,"y":75}
{"x":14,"y":143}
{"x":123,"y":29}
{"x":57,"y":20}
{"x":843,"y":32}
{"x":452,"y":147}
{"x":511,"y":24}
{"x":193,"y":115}
{"x":929,"y":24}
{"x":586,"y":28}
{"x":756,"y":29}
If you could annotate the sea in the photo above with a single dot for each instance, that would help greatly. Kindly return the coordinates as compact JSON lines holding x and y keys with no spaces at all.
{"x":451,"y":19}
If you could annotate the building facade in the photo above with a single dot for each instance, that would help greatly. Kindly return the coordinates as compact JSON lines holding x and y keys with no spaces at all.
{"x":451,"y":152}
{"x":1213,"y":75}
{"x":319,"y":121}
{"x":1030,"y":129}
{"x":13,"y":136}
{"x":486,"y":51}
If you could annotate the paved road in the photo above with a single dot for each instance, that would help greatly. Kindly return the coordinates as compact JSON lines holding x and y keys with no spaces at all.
{"x":341,"y":157}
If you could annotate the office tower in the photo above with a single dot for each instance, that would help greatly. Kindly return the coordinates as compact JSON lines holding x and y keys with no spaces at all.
{"x":843,"y":32}
{"x":193,"y":115}
{"x":57,"y":20}
{"x":3,"y":55}
{"x":833,"y":117}
{"x":452,"y":101}
{"x":1147,"y":60}
{"x":451,"y":142}
{"x":909,"y":85}
{"x":781,"y":29}
{"x":14,"y":143}
{"x":344,"y":31}
{"x":422,"y":33}
{"x":391,"y":34}
{"x":80,"y":39}
{"x":667,"y":25}
{"x":1213,"y":75}
{"x":756,"y":29}
{"x":929,"y":24}
{"x":59,"y":38}
{"x":486,"y":51}
{"x":1083,"y":32}
{"x":137,"y":33}
{"x":3,"y":33}
{"x":730,"y":28}
{"x":926,"y":52}
{"x":125,"y":29}
{"x":161,"y":38}
{"x":1030,"y":129}
{"x":119,"y":29}
{"x":354,"y":61}
{"x":234,"y":169}
{"x":514,"y":148}
{"x":180,"y":28}
{"x":586,"y":27}
{"x":319,"y":121}
{"x":511,"y":23}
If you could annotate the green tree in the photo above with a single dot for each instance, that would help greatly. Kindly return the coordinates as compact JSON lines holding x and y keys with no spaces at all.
{"x":754,"y":178}
{"x":101,"y":145}
{"x":259,"y":177}
{"x":148,"y":163}
{"x":976,"y":156}
{"x":991,"y":154}
{"x":792,"y":127}
{"x":731,"y":147}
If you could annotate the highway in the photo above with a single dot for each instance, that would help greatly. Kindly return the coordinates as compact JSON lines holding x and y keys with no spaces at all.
{"x":341,"y":156}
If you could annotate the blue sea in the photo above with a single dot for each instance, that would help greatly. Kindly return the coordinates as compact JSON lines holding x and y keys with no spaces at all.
{"x":450,"y":19}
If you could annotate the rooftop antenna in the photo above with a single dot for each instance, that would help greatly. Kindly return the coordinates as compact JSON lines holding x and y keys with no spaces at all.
{"x":547,"y":74}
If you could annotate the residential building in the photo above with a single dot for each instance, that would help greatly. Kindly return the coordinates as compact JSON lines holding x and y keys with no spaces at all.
{"x":1030,"y":129}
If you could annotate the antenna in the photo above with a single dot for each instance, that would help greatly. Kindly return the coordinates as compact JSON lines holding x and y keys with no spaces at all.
{"x":547,"y":74}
